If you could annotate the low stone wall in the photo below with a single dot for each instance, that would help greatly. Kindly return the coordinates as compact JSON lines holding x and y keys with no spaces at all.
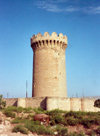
{"x":75,"y":104}
{"x":57,"y":103}
{"x":11,"y":101}
{"x":87,"y":104}
{"x":33,"y":102}
{"x":50,"y":103}
{"x":71,"y":104}
{"x":36,"y":102}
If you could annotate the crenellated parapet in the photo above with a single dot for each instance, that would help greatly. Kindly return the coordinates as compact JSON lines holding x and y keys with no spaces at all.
{"x":47,"y":40}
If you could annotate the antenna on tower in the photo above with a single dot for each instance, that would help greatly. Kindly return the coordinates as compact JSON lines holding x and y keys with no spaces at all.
{"x":26,"y":88}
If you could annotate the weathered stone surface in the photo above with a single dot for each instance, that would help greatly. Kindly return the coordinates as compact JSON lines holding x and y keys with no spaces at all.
{"x":49,"y":73}
{"x":63,"y":103}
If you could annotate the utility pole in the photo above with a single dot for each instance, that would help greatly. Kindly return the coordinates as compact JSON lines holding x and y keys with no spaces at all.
{"x":26,"y":89}
{"x":76,"y":95}
{"x":7,"y":94}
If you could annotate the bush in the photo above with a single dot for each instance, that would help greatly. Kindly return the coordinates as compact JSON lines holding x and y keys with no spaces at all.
{"x":55,"y":112}
{"x":2,"y":103}
{"x":27,"y":110}
{"x":97,"y":103}
{"x":39,"y":110}
{"x":18,"y":120}
{"x":20,"y":128}
{"x":39,"y":129}
{"x":87,"y":122}
{"x":62,"y":131}
{"x":30,"y":126}
{"x":19,"y":109}
{"x":72,"y":121}
{"x":81,"y":134}
{"x":10,"y":114}
{"x":30,"y":116}
{"x":73,"y":134}
{"x":77,"y":114}
{"x":76,"y":134}
{"x":44,"y":130}
{"x":24,"y":121}
{"x":57,"y":119}
{"x":14,"y":109}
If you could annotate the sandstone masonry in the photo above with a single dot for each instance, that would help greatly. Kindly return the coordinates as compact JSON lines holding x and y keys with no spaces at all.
{"x":49,"y":74}
{"x":50,"y":103}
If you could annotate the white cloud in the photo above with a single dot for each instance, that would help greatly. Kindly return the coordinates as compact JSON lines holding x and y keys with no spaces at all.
{"x":71,"y":9}
{"x":94,"y":10}
{"x":54,"y":6}
{"x":48,"y":6}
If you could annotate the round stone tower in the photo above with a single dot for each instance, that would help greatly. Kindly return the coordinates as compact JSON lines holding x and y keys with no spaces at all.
{"x":49,"y":73}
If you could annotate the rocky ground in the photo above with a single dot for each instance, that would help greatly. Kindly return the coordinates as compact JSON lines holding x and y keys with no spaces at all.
{"x":6,"y":127}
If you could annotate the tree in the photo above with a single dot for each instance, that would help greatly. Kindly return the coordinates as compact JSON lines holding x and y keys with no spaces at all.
{"x":2,"y":102}
{"x":97,"y":103}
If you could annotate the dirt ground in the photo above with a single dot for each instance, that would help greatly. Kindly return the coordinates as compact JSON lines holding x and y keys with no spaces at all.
{"x":6,"y":128}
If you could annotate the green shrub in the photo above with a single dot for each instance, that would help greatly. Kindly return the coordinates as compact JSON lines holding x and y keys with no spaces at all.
{"x":91,"y":114}
{"x":97,"y":103}
{"x":52,"y":122}
{"x":55,"y":112}
{"x":10,"y":114}
{"x":14,"y":109}
{"x":57,"y":119}
{"x":24,"y":121}
{"x":39,"y":129}
{"x":20,"y":128}
{"x":30,"y":116}
{"x":44,"y":130}
{"x":17,"y":120}
{"x":39,"y":110}
{"x":86,"y":122}
{"x":61,"y":131}
{"x":81,"y":134}
{"x":30,"y":126}
{"x":27,"y":110}
{"x":76,"y":134}
{"x":72,"y":121}
{"x":2,"y":102}
{"x":75,"y":114}
{"x":73,"y":134}
{"x":19,"y":109}
{"x":11,"y":108}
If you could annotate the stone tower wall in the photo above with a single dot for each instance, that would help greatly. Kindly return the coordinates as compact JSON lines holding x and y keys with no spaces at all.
{"x":49,"y":73}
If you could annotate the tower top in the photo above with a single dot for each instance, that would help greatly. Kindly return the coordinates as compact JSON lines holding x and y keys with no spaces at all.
{"x":47,"y":38}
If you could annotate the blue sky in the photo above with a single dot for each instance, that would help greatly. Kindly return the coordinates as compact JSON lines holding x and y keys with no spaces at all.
{"x":78,"y":19}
